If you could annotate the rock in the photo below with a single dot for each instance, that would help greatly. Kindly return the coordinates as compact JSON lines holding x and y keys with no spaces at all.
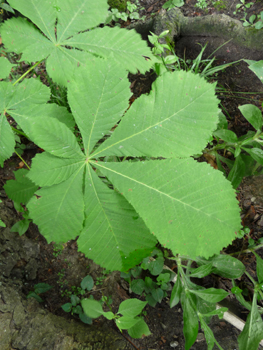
{"x":252,"y":188}
{"x":260,"y":223}
{"x":174,"y":344}
{"x":18,"y":252}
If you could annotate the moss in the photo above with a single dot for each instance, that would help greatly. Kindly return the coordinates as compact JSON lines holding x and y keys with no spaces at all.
{"x":121,"y":5}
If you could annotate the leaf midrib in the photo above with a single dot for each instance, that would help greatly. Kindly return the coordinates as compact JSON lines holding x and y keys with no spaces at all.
{"x":98,"y":164}
{"x":72,"y":20}
{"x":47,"y":29}
{"x":99,"y":201}
{"x":72,"y":177}
{"x":149,"y":127}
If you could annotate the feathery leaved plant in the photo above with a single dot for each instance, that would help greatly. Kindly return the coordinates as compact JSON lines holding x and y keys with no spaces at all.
{"x":158,"y":191}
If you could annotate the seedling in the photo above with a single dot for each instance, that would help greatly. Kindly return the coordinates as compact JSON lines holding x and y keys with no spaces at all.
{"x":170,"y":4}
{"x":198,"y":303}
{"x":57,"y":249}
{"x":203,"y":4}
{"x":246,"y":150}
{"x":153,"y":289}
{"x":243,"y":6}
{"x":254,"y":20}
{"x":132,"y":13}
{"x":75,"y":302}
{"x":39,"y":289}
{"x":127,"y":316}
{"x":169,"y":61}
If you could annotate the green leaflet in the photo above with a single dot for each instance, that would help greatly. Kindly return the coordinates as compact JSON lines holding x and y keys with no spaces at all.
{"x":7,"y":140}
{"x":172,"y":117}
{"x":110,"y":230}
{"x":179,"y":202}
{"x":59,"y":210}
{"x":108,"y":94}
{"x":48,"y":170}
{"x":5,"y":67}
{"x":61,"y":22}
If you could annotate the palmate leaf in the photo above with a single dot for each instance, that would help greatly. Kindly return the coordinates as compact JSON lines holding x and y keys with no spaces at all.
{"x":112,"y":229}
{"x":61,"y":22}
{"x":189,"y":206}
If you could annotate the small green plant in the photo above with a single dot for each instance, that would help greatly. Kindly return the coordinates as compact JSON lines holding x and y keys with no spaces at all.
{"x":57,"y":249}
{"x":132,"y":13}
{"x":199,"y":304}
{"x":128,"y":316}
{"x":153,"y":290}
{"x":251,"y":336}
{"x":243,"y":6}
{"x":120,"y":5}
{"x":246,"y":150}
{"x":39,"y":289}
{"x":254,"y":20}
{"x":74,"y":306}
{"x":170,"y":4}
{"x":100,"y":279}
{"x":169,"y":61}
{"x":203,"y":4}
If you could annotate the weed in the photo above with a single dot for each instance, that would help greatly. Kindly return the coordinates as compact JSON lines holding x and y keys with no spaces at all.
{"x":243,"y":6}
{"x":169,"y":61}
{"x":100,"y":279}
{"x":132,"y":13}
{"x":246,"y":150}
{"x":57,"y":249}
{"x":39,"y":289}
{"x":74,"y":307}
{"x":173,"y":3}
{"x":203,"y":4}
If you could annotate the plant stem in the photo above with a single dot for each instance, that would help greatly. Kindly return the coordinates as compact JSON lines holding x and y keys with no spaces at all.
{"x":251,"y":278}
{"x":22,"y":160}
{"x":248,"y":250}
{"x":29,"y":70}
{"x":20,"y":132}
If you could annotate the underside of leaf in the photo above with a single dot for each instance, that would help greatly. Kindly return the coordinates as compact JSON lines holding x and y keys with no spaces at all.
{"x":185,"y":204}
{"x":175,"y":120}
{"x":112,"y":228}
